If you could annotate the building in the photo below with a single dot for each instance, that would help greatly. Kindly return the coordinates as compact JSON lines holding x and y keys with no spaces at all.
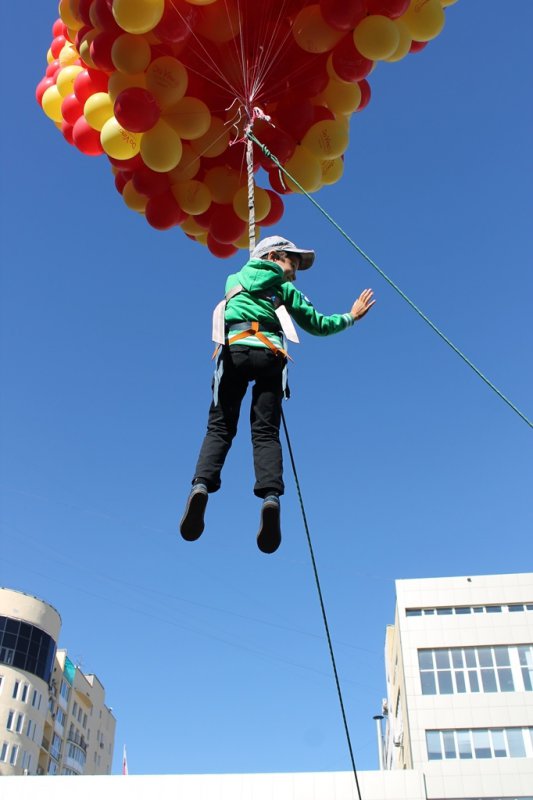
{"x":459,"y":671}
{"x":53,"y":717}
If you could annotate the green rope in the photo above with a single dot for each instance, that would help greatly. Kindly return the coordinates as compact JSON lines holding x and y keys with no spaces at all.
{"x":372,"y":263}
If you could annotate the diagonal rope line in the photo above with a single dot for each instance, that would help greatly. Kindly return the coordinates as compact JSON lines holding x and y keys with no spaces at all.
{"x":402,"y":294}
{"x":322,"y":606}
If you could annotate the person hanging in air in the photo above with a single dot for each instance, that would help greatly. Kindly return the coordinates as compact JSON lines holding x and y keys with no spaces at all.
{"x":252,"y":323}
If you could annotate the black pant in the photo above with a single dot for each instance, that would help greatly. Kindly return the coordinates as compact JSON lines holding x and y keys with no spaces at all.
{"x":241,"y":366}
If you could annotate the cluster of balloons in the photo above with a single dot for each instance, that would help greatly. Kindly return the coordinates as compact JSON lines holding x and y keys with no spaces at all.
{"x":166,"y":89}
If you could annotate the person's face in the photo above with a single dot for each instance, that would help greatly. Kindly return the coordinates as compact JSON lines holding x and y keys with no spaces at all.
{"x":289,"y":264}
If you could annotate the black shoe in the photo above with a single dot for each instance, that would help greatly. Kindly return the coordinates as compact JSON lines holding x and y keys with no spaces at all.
{"x":269,"y":536}
{"x":192,"y":522}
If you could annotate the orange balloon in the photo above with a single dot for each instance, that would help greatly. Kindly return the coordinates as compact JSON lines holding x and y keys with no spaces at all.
{"x":312,"y":33}
{"x":223,"y":182}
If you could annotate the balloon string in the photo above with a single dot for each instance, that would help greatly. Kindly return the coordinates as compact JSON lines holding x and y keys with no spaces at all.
{"x":391,"y":283}
{"x":251,"y":193}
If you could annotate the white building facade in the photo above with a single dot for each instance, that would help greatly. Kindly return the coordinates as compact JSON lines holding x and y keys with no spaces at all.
{"x":53,"y":717}
{"x":459,"y":668}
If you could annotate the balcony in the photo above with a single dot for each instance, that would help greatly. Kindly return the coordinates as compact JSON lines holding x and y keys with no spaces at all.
{"x":75,"y":755}
{"x":72,"y":764}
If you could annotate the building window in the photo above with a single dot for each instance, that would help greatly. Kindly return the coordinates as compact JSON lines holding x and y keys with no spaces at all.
{"x":469,"y":670}
{"x":25,"y":690}
{"x":10,"y":718}
{"x":64,"y":691}
{"x":460,"y":610}
{"x":26,"y":647}
{"x":26,"y":761}
{"x":60,"y":716}
{"x":55,"y":749}
{"x":14,"y":754}
{"x":20,"y":723}
{"x":3,"y":751}
{"x":479,"y":743}
{"x":15,"y":690}
{"x":74,"y":709}
{"x":36,"y":699}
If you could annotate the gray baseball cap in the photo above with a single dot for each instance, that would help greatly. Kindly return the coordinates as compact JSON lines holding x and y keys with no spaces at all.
{"x":265,"y":246}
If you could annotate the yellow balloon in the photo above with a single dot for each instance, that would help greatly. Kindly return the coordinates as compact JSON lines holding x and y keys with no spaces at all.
{"x":138,"y":16}
{"x":51,"y":103}
{"x":446,"y":3}
{"x":118,"y":142}
{"x":222,"y":182}
{"x":167,"y":79}
{"x":312,"y":33}
{"x":201,"y":238}
{"x":65,"y":79}
{"x":340,"y":97}
{"x":131,"y":54}
{"x":404,"y":44}
{"x":191,"y":227}
{"x":243,"y":242}
{"x":161,"y":147}
{"x":133,"y":198}
{"x":118,"y":81}
{"x":68,"y":11}
{"x":200,"y":2}
{"x":188,"y":166}
{"x":376,"y":37}
{"x":214,"y":142}
{"x":85,"y":48}
{"x":50,"y":56}
{"x":68,"y":55}
{"x":190,"y":118}
{"x":98,"y":109}
{"x":261,"y":201}
{"x":192,"y":196}
{"x":305,"y":169}
{"x":424,"y":20}
{"x":326,"y":139}
{"x":332,"y":171}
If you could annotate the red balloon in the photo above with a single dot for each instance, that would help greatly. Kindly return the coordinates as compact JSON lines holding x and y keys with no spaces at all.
{"x":66,"y":130}
{"x":121,"y":179}
{"x":89,"y":82}
{"x":150,"y":183}
{"x":41,"y":88}
{"x":83,"y":11}
{"x":80,"y":34}
{"x":388,"y":8}
{"x":177,"y":23}
{"x":129,"y":164}
{"x":103,"y":17}
{"x":53,"y":68}
{"x":71,"y":109}
{"x":294,"y":117}
{"x":205,"y":219}
{"x":86,"y":138}
{"x":59,"y":28}
{"x":225,"y":226}
{"x":344,"y":14}
{"x":100,"y":50}
{"x":219,"y":249}
{"x":136,"y":109}
{"x":277,"y":181}
{"x":366,"y":94}
{"x":416,"y":47}
{"x":348,"y":62}
{"x":280,"y":144}
{"x":276,"y":210}
{"x":162,"y":212}
{"x":57,"y":45}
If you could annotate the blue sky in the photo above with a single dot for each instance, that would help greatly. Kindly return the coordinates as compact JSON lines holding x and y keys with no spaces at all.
{"x":213,"y":655}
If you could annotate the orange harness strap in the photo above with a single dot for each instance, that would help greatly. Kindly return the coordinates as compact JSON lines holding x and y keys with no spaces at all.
{"x":253,"y":330}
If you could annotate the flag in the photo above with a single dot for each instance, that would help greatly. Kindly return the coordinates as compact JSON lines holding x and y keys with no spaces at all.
{"x":124,"y":762}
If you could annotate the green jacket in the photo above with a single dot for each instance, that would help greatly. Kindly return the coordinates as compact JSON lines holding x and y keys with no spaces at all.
{"x":263,"y":280}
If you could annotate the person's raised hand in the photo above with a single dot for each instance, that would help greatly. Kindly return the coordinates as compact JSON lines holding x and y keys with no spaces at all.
{"x":363,"y":304}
